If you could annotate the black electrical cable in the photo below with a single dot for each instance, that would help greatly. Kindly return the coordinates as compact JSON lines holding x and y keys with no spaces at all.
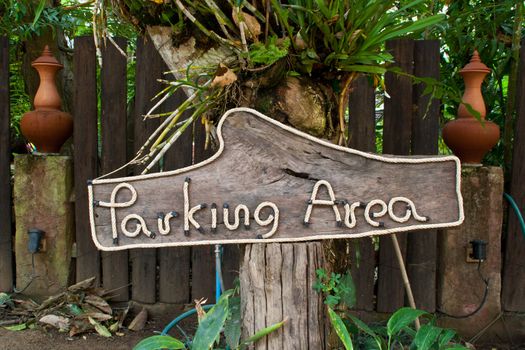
{"x":486,"y":281}
{"x":31,"y":280}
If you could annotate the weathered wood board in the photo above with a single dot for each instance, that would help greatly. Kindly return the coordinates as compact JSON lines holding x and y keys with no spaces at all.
{"x":266,"y":165}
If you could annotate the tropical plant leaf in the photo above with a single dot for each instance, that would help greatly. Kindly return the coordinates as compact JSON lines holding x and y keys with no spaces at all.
{"x":446,"y":337}
{"x":364,"y":69}
{"x":340,"y":329}
{"x":17,"y":327}
{"x":262,"y":333}
{"x":364,"y":327}
{"x":347,"y":292}
{"x":211,"y":324}
{"x":101,"y":329}
{"x":38,"y":12}
{"x":402,"y":318}
{"x":427,"y":336}
{"x":232,"y":326}
{"x":159,"y":342}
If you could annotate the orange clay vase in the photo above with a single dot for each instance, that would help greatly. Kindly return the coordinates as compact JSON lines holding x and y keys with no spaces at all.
{"x":469,"y":138}
{"x":47,"y":127}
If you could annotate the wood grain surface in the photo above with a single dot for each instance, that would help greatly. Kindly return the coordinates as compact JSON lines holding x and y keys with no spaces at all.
{"x":263,"y":160}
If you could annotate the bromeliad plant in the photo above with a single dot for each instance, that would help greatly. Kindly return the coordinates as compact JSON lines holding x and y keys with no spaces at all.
{"x":295,"y":59}
{"x":219,"y":328}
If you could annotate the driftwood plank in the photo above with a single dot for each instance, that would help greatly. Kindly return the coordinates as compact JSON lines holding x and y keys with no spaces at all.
{"x":513,"y":294}
{"x":362,"y":131}
{"x":85,"y":161}
{"x":263,"y":172}
{"x":422,"y":248}
{"x":396,"y":140}
{"x":6,"y":251}
{"x":113,"y":136}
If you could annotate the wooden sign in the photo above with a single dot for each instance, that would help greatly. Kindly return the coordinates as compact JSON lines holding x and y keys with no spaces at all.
{"x":271,"y":183}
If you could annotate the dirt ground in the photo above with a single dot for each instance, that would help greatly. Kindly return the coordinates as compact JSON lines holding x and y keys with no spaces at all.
{"x":46,"y":339}
{"x":42,"y":339}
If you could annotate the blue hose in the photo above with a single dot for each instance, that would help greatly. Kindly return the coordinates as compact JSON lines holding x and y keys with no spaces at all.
{"x":181,"y":317}
{"x":516,"y":211}
{"x":218,"y":291}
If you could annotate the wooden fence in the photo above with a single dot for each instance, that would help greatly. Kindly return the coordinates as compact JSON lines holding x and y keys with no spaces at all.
{"x":179,"y":275}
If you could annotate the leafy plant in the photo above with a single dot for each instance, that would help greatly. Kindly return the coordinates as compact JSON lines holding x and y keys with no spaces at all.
{"x":337,"y":288}
{"x":397,"y":331}
{"x":223,"y":317}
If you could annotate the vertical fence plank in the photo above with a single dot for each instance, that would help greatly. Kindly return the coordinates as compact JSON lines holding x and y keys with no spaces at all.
{"x":230,"y":264}
{"x":362,"y":136}
{"x":396,"y":140}
{"x":174,"y":262}
{"x":85,"y":161}
{"x":113,"y":135}
{"x":203,"y":257}
{"x":148,"y":70}
{"x":6,"y":251}
{"x":513,"y":294}
{"x":422,"y":246}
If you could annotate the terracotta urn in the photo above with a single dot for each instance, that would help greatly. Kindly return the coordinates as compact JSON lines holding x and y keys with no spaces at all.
{"x":47,"y":127}
{"x":469,"y":138}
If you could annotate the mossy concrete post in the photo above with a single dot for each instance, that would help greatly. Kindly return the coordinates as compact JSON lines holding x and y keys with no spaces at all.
{"x":460,"y":286}
{"x":42,"y":197}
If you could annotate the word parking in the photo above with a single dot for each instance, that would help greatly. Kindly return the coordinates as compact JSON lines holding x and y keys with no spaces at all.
{"x":164,"y":220}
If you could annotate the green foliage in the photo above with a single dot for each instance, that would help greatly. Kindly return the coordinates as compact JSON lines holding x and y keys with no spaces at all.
{"x":402,"y":318}
{"x":158,"y":342}
{"x":340,"y":329}
{"x":211,"y":324}
{"x":225,"y":316}
{"x":398,"y":330}
{"x":23,"y":19}
{"x":232,"y":326}
{"x":334,"y":35}
{"x":485,"y":25}
{"x":337,"y":289}
{"x":271,"y":52}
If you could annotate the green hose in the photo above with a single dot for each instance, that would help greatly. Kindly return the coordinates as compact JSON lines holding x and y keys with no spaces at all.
{"x":516,"y":211}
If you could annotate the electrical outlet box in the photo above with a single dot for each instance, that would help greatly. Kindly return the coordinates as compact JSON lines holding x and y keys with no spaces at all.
{"x":469,"y":258}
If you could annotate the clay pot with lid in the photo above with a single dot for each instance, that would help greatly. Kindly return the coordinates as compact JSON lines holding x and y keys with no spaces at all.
{"x":469,"y":138}
{"x":47,"y":127}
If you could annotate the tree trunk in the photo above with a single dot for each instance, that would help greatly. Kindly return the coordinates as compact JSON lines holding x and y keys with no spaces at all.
{"x":277,"y":283}
{"x":276,"y":279}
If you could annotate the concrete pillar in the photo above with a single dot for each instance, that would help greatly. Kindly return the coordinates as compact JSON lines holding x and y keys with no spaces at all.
{"x":460,"y":287}
{"x":42,"y":197}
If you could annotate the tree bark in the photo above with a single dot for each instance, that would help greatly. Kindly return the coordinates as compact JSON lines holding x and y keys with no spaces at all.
{"x":277,"y":283}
